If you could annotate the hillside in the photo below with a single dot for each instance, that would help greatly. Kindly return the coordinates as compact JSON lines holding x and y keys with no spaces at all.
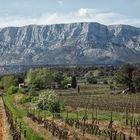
{"x":75,"y":43}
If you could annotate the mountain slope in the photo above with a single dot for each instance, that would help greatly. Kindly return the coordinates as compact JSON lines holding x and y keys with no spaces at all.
{"x":75,"y":43}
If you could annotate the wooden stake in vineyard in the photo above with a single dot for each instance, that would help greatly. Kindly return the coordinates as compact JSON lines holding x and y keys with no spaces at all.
{"x":25,"y":135}
{"x":84,"y":118}
{"x":96,"y":116}
{"x":126,"y":116}
{"x":111,"y":121}
{"x":92,"y":110}
{"x":66,"y":119}
{"x":110,"y":126}
{"x":77,"y":115}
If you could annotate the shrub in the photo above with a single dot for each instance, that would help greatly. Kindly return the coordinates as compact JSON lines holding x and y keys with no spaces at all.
{"x":105,"y":82}
{"x":112,"y":87}
{"x":9,"y":81}
{"x":34,"y":99}
{"x":12,"y":90}
{"x":1,"y":85}
{"x":54,"y":107}
{"x":21,"y":91}
{"x":26,"y":99}
{"x":91,"y":80}
{"x":48,"y":100}
{"x":32,"y":92}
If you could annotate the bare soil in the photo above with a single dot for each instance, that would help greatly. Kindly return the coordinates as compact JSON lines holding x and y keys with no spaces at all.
{"x":4,"y":126}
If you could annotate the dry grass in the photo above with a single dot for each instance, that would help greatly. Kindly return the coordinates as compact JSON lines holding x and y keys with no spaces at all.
{"x":38,"y":128}
{"x":18,"y":97}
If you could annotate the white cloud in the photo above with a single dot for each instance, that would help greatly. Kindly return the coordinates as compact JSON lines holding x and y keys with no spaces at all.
{"x":94,"y":15}
{"x":85,"y":12}
{"x":81,"y":15}
{"x":60,"y":2}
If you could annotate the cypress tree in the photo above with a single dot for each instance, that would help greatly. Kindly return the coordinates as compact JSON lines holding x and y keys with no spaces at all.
{"x":73,"y":82}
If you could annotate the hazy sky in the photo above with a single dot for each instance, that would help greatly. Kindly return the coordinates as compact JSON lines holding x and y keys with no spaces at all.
{"x":24,"y":12}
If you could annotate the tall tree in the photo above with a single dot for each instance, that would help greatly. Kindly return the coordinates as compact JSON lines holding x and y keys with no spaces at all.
{"x":9,"y":81}
{"x":124,"y":76}
{"x":136,"y":80}
{"x":73,"y":82}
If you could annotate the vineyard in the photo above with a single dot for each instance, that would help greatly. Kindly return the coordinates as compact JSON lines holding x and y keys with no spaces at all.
{"x":86,"y":117}
{"x":107,"y":120}
{"x":94,"y":106}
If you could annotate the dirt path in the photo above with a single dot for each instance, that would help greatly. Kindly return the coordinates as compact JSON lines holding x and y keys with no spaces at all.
{"x":4,"y":127}
{"x":1,"y":122}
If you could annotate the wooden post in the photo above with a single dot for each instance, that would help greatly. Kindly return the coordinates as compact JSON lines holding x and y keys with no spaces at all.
{"x":84,"y":122}
{"x":126,"y":117}
{"x":20,"y":129}
{"x":77,"y":115}
{"x":66,"y":119}
{"x":96,"y":115}
{"x":25,"y":134}
{"x":138,"y":128}
{"x":110,"y":126}
{"x":92,"y":118}
{"x":53,"y":117}
{"x":78,"y":89}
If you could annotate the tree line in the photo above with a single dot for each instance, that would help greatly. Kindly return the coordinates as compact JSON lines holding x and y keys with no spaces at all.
{"x":127,"y":76}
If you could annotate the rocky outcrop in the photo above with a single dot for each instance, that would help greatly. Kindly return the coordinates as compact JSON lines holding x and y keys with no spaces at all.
{"x":75,"y":43}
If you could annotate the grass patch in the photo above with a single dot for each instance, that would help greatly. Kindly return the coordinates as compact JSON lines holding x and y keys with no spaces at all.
{"x":18,"y":114}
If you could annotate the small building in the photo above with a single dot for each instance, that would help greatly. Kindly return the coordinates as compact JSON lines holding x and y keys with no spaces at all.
{"x":21,"y":85}
{"x":125,"y":91}
{"x":68,"y":85}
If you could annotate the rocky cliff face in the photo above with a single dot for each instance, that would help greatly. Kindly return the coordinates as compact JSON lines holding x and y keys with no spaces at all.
{"x":76,"y":43}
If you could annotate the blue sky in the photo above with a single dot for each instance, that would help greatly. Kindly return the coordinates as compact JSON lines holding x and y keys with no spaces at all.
{"x":24,"y":12}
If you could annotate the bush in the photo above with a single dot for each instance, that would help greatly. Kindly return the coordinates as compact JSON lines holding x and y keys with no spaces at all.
{"x":48,"y":100}
{"x":9,"y":81}
{"x":34,"y":99}
{"x":21,"y":91}
{"x":32,"y":92}
{"x":12,"y":90}
{"x":54,"y":107}
{"x":1,"y":85}
{"x":105,"y":82}
{"x":26,"y":99}
{"x":112,"y":87}
{"x":91,"y":80}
